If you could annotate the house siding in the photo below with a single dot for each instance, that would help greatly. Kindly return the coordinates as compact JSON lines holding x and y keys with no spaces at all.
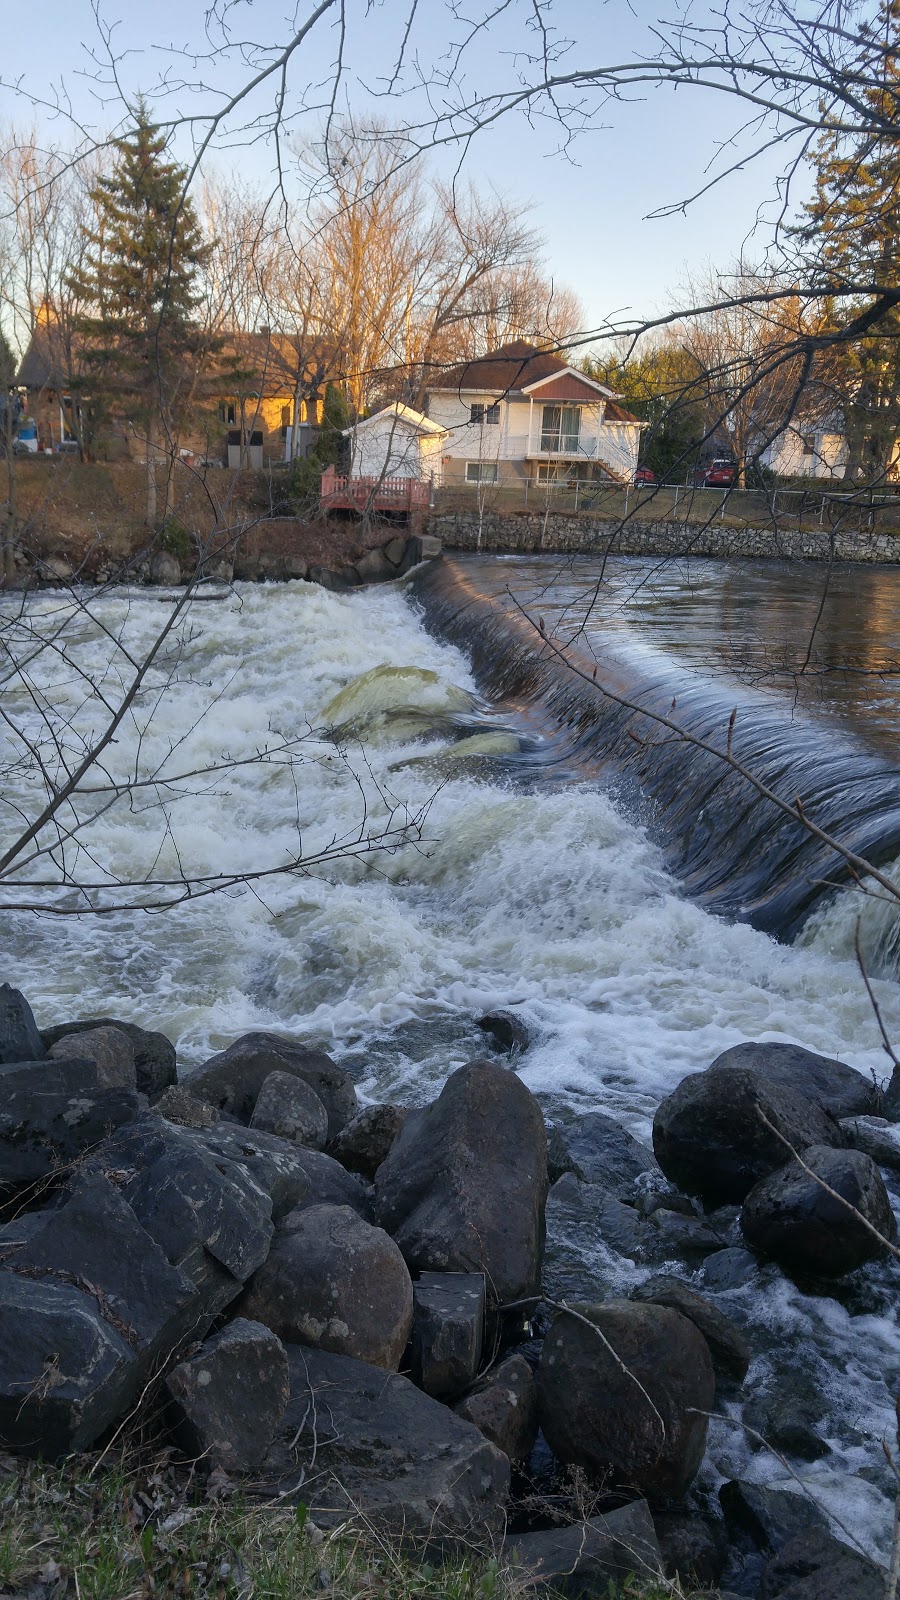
{"x":612,"y":445}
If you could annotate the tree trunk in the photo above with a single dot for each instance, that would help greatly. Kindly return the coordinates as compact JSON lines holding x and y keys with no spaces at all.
{"x":9,"y":522}
{"x":151,"y":477}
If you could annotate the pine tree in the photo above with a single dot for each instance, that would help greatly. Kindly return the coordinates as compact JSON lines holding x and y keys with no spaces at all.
{"x":144,"y":250}
{"x":853,"y":236}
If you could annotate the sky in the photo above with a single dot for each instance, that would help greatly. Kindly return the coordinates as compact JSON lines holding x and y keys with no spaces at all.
{"x":591,"y":203}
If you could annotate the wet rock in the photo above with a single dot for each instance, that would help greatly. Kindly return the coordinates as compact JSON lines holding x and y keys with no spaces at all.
{"x":503,"y":1406}
{"x":671,"y":1233}
{"x":875,"y":1137}
{"x":793,"y":1219}
{"x":395,"y":552}
{"x":665,"y":1200}
{"x":65,"y":1372}
{"x":729,"y":1269}
{"x":374,"y":567}
{"x":787,"y":1422}
{"x":50,"y":1113}
{"x":330,"y":1184}
{"x":507,"y":1032}
{"x":598,"y":1150}
{"x":339,"y":581}
{"x":278,"y":1166}
{"x":19,"y":1036}
{"x":618,"y":1225}
{"x":838,"y":1089}
{"x":334,"y":1282}
{"x":588,"y":1558}
{"x":692,"y":1549}
{"x":289,"y":1108}
{"x":770,"y":1517}
{"x":367,"y":1139}
{"x":815,"y":1566}
{"x":165,"y":569}
{"x":154,"y":1054}
{"x":709,"y":1138}
{"x":111,"y":1051}
{"x":447,"y":1330}
{"x":626,"y":1400}
{"x":232,"y":1079}
{"x":177,"y":1105}
{"x":727,"y":1344}
{"x":231,"y":1396}
{"x":361,"y":1443}
{"x":465,"y":1184}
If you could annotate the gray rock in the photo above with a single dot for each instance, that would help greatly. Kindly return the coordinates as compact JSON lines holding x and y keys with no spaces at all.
{"x":727,"y":1344}
{"x":111,"y":1051}
{"x":875,"y":1137}
{"x":289,"y":1108}
{"x":395,"y":552}
{"x":51,"y":1112}
{"x":178,"y":1106}
{"x":671,"y":1233}
{"x":710,"y":1140}
{"x":154,"y":1054}
{"x":507,"y":1031}
{"x":359,"y":1443}
{"x":503,"y":1406}
{"x":330,"y":1184}
{"x":447,"y":1330}
{"x":231,"y":1080}
{"x":231,"y":1396}
{"x":769,"y":1516}
{"x":165,"y":569}
{"x":588,"y":1558}
{"x":693,"y":1550}
{"x":338,"y":581}
{"x":65,"y":1372}
{"x":815,"y":1566}
{"x":465,"y":1184}
{"x":278,"y":1166}
{"x":729,"y":1269}
{"x":374,"y":567}
{"x":627,"y":1400}
{"x":793,"y":1219}
{"x":336,"y":1283}
{"x":598,"y":1150}
{"x":19,"y":1036}
{"x":838,"y":1089}
{"x":367,"y":1139}
{"x":788,"y":1422}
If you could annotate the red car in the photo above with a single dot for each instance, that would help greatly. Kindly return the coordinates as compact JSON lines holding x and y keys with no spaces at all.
{"x":644,"y":475}
{"x":717,"y":474}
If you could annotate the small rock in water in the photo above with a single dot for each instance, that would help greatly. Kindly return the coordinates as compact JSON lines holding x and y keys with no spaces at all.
{"x":671,"y":1233}
{"x":231,"y":1396}
{"x":729,"y":1269}
{"x":336,"y":1283}
{"x":447,"y":1330}
{"x":598,"y":1150}
{"x":503,"y":1406}
{"x":111,"y":1051}
{"x":618,"y":1225}
{"x":769,"y":1516}
{"x":815,"y":1566}
{"x":367,"y":1139}
{"x":795,"y":1220}
{"x":20,"y":1039}
{"x":289,"y":1108}
{"x":693,"y":1549}
{"x":507,"y":1031}
{"x":875,"y":1137}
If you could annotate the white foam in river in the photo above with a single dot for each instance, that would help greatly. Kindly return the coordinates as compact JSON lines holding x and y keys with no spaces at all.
{"x":535,"y":894}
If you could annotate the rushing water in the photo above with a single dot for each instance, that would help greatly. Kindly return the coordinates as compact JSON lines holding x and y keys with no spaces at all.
{"x":543,"y":880}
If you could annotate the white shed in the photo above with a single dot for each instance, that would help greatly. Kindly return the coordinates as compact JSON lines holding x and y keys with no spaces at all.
{"x":396,"y":443}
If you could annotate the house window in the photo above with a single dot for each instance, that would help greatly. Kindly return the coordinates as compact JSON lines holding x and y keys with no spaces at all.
{"x":482,"y":472}
{"x":227,"y":412}
{"x":285,"y":416}
{"x":557,"y":472}
{"x":480,"y":414}
{"x":808,"y":441}
{"x":560,"y":428}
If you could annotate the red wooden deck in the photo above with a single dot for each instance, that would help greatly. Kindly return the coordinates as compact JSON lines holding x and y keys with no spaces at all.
{"x":372,"y":494}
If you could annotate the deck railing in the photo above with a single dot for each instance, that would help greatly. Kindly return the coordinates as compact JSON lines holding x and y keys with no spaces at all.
{"x":362,"y":494}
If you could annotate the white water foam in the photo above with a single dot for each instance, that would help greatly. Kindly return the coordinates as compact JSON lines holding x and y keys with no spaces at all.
{"x":520,"y":893}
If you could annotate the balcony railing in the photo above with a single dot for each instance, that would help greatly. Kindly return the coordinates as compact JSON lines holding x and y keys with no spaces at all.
{"x":562,"y":446}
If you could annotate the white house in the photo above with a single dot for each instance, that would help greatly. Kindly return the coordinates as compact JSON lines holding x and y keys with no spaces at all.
{"x":811,"y":447}
{"x":520,"y":412}
{"x":396,"y":443}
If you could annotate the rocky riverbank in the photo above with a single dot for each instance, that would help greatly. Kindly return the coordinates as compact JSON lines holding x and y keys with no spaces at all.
{"x":355,"y":1308}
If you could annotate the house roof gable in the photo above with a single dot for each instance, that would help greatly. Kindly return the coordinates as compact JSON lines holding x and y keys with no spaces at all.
{"x":578,"y":382}
{"x":398,"y":412}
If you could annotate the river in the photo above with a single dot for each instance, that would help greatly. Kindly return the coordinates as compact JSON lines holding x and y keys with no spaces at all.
{"x":550,"y":879}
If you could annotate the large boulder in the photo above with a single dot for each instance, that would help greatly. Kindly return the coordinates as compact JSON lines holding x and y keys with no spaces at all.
{"x":51,"y":1112}
{"x":289,"y":1108}
{"x":768,"y":1517}
{"x":727,"y":1344}
{"x":793,"y":1218}
{"x":598,"y":1150}
{"x":111,"y":1051}
{"x":19,"y":1036}
{"x":367,"y":1139}
{"x":359,"y":1443}
{"x":813,"y":1565}
{"x":622,"y":1389}
{"x":503,"y":1406}
{"x":154,"y":1054}
{"x":229,"y":1398}
{"x":710,"y":1139}
{"x":278,"y":1166}
{"x":587,"y":1559}
{"x":838,"y":1089}
{"x":335,"y":1282}
{"x":231,"y":1080}
{"x":465,"y":1184}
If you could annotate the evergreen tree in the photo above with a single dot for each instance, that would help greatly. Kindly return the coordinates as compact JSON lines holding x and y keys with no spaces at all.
{"x":852,"y":235}
{"x":144,"y":250}
{"x":663,"y":386}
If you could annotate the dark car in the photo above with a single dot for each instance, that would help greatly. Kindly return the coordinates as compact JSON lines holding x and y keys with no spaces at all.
{"x":644,"y":475}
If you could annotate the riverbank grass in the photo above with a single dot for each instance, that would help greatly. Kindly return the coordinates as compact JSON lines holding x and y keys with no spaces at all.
{"x":111,"y":1534}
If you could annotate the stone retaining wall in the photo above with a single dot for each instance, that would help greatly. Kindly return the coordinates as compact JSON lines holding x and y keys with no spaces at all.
{"x":525,"y":533}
